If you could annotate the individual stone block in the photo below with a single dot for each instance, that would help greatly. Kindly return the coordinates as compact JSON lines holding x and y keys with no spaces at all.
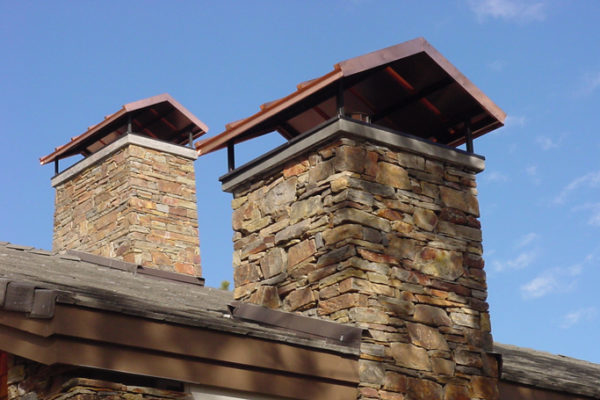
{"x":295,"y":168}
{"x":426,"y":336}
{"x":360,"y":217}
{"x":274,"y":262}
{"x":443,"y":366}
{"x":392,"y":175}
{"x":351,"y":231}
{"x":459,"y":231}
{"x":468,"y":358}
{"x":459,"y":199}
{"x":431,"y":315}
{"x":456,"y":392}
{"x":305,"y":209}
{"x":292,"y":232}
{"x":350,"y":158}
{"x":266,"y":296}
{"x":301,"y":252}
{"x":279,"y":195}
{"x":482,"y":387}
{"x":371,"y":166}
{"x":336,"y":256}
{"x":370,"y":372}
{"x":425,"y":219}
{"x":410,"y":356}
{"x":368,"y":315}
{"x":468,"y":320}
{"x":356,"y":196}
{"x":440,"y":263}
{"x":245,"y":274}
{"x":299,"y":299}
{"x":321,"y":171}
{"x":342,"y":302}
{"x":423,"y":389}
{"x":398,"y":307}
{"x":402,"y":248}
{"x":395,"y":382}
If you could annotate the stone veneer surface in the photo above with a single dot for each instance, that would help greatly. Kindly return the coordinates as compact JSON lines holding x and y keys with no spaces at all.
{"x":382,"y":238}
{"x":137,"y":204}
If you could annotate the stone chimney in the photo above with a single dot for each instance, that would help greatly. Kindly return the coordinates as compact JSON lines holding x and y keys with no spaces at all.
{"x":133,"y":195}
{"x":359,"y":222}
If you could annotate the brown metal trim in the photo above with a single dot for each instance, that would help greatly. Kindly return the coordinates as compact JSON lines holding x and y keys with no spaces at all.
{"x":172,"y":276}
{"x":338,"y":333}
{"x":74,"y":324}
{"x":181,"y":368}
{"x":104,"y":261}
{"x":134,"y":268}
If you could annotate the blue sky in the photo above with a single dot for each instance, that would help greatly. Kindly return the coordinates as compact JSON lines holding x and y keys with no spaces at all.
{"x":67,"y":64}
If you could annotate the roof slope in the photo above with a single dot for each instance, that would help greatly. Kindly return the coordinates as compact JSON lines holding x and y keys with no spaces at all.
{"x":409,"y":87}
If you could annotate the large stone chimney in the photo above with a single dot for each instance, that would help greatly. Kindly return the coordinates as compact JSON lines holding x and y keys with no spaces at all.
{"x":356,"y":221}
{"x":133,"y":195}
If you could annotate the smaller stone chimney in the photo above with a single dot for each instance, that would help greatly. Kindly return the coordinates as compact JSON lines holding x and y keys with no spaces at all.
{"x":133,"y":195}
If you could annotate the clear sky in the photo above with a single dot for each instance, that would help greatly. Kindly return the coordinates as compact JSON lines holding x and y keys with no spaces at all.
{"x":65,"y":65}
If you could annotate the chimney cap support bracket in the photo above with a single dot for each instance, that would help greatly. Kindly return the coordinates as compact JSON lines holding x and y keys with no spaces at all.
{"x":230,"y":156}
{"x":468,"y":136}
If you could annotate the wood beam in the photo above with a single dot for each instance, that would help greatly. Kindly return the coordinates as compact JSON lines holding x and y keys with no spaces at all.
{"x":415,"y":96}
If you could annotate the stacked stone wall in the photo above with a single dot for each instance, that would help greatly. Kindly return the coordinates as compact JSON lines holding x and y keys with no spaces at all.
{"x":138,"y":205}
{"x":28,"y":380}
{"x":385,"y":239}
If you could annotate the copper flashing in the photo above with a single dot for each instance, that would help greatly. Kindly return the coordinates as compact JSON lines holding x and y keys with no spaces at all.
{"x":409,"y":87}
{"x":160,"y":117}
